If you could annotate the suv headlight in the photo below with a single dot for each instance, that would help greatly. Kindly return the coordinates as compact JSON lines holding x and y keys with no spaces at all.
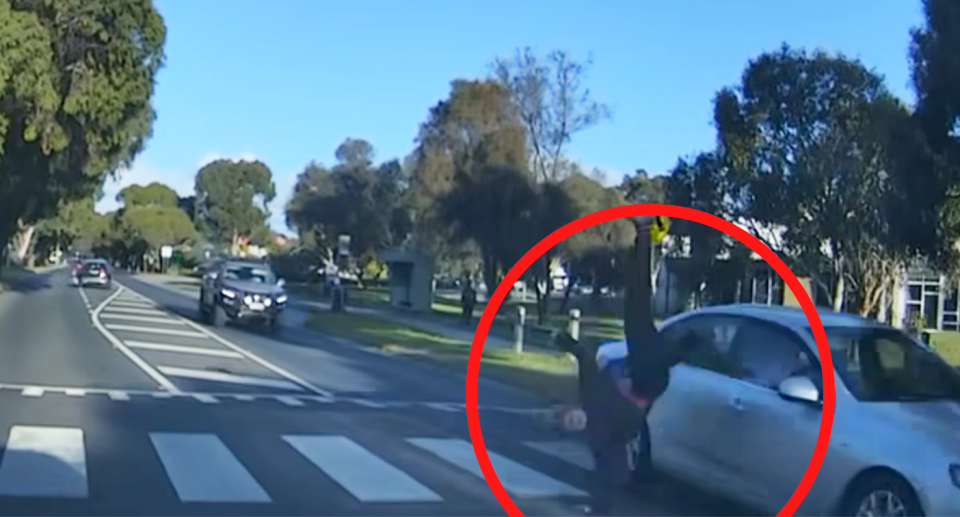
{"x":229,"y":293}
{"x":282,"y":298}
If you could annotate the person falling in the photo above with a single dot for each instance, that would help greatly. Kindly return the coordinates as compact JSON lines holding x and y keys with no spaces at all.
{"x":618,"y":394}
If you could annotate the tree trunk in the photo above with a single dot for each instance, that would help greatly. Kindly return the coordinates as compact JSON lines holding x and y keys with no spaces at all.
{"x":565,"y":303}
{"x":23,"y":241}
{"x":839,"y":287}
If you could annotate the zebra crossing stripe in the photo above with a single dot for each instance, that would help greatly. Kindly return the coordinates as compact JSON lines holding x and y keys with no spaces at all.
{"x":44,"y":462}
{"x":517,"y":479}
{"x":203,"y":470}
{"x":366,"y":476}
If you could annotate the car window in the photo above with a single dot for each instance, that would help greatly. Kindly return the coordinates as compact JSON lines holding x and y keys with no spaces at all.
{"x":768,"y":354}
{"x":885,"y":365}
{"x":249,"y":274}
{"x":712,"y":335}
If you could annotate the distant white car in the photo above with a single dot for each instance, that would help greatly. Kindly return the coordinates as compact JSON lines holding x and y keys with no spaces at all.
{"x":741,"y":416}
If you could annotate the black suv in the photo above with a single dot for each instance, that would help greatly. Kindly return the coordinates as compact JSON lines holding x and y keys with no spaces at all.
{"x":243,"y":291}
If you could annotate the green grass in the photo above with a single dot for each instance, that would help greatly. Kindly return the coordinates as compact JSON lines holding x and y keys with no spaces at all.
{"x":947,"y":344}
{"x":550,"y":375}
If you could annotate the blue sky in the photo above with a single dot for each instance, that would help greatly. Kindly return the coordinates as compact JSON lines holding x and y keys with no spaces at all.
{"x":286,"y":81}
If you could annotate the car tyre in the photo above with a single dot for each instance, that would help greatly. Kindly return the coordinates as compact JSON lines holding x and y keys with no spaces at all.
{"x":219,"y":316}
{"x":892,"y":493}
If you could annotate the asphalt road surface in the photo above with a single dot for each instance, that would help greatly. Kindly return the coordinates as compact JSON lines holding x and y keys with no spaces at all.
{"x":116,"y":402}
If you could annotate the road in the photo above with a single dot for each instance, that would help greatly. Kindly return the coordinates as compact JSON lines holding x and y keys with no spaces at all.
{"x":116,"y":402}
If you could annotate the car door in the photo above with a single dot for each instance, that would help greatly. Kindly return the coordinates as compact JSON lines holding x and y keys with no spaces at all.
{"x":768,"y":440}
{"x":683,"y":421}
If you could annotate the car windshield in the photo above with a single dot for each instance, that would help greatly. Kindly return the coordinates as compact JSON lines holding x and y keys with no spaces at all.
{"x":250,"y":274}
{"x":885,"y":365}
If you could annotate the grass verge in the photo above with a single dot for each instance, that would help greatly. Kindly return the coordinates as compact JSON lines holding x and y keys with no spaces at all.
{"x":549,"y":375}
{"x":947,"y":344}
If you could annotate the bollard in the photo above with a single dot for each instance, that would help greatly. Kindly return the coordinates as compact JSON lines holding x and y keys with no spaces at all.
{"x":518,"y":327}
{"x":573,"y":327}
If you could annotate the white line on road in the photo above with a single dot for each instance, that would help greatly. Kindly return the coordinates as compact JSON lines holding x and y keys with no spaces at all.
{"x":32,"y":392}
{"x":118,"y":396}
{"x":367,"y":477}
{"x":517,"y":479}
{"x":206,"y":399}
{"x":142,"y":319}
{"x":75,"y":393}
{"x":134,"y":358}
{"x":290,"y":401}
{"x":155,"y":330}
{"x":44,"y":462}
{"x":179,"y":349}
{"x":86,"y":300}
{"x":203,"y":470}
{"x":257,"y":359}
{"x":206,"y":375}
{"x":127,"y":310}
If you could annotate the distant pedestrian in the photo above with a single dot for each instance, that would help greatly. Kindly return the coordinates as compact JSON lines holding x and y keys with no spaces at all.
{"x":468,"y":301}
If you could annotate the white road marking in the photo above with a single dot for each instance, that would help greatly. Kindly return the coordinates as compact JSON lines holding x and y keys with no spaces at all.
{"x":569,"y":451}
{"x":517,"y":479}
{"x":206,"y":399}
{"x":118,"y":396}
{"x":253,"y":357}
{"x":180,"y":349}
{"x":134,"y":358}
{"x":290,"y":401}
{"x":446,"y":406}
{"x":155,"y":330}
{"x":132,"y":304}
{"x":368,"y":403}
{"x":203,"y":470}
{"x":244,"y":398}
{"x":44,"y":462}
{"x":32,"y":392}
{"x":86,"y":299}
{"x":144,"y":319}
{"x":75,"y":393}
{"x":126,"y":310}
{"x":162,"y":395}
{"x":206,"y":375}
{"x":360,"y":472}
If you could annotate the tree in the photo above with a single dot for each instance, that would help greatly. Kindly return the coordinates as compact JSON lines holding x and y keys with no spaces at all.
{"x":232,"y":199}
{"x":76,"y":226}
{"x":355,"y":197}
{"x":593,"y":256}
{"x":76,"y":79}
{"x":553,"y":104}
{"x":154,"y":194}
{"x":642,"y":188}
{"x":926,"y":149}
{"x":142,"y":229}
{"x":803,"y":140}
{"x":470,"y":180}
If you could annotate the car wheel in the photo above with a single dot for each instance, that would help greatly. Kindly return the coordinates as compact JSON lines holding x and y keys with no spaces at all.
{"x":881,"y":493}
{"x":219,"y":316}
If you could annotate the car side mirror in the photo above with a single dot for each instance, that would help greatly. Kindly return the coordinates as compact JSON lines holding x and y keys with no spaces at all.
{"x":281,"y":283}
{"x":799,"y":389}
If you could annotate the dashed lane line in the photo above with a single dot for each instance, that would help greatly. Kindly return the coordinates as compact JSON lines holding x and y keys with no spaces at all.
{"x":162,"y":381}
{"x":250,"y":355}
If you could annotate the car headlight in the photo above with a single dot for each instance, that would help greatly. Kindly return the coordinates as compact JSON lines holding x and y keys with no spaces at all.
{"x":282,"y":298}
{"x":954,"y":470}
{"x":267,"y":302}
{"x":228,"y":293}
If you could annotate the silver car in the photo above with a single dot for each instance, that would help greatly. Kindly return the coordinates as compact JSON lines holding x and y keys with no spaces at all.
{"x":741,"y":415}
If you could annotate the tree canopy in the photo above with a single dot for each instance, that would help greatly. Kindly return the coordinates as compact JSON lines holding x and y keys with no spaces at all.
{"x":76,"y":81}
{"x":232,"y":199}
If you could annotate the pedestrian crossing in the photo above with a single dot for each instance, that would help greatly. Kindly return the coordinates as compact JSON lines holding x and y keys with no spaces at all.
{"x":52,"y":462}
{"x":183,"y":356}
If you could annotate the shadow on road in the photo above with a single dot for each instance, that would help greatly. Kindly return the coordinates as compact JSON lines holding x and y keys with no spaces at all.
{"x":23,"y":281}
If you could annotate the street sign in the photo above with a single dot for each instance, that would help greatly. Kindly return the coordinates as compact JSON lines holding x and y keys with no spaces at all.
{"x":166,"y":251}
{"x":343,"y":244}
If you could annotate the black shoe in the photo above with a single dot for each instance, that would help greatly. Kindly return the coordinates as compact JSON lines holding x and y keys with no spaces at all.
{"x":565,"y":342}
